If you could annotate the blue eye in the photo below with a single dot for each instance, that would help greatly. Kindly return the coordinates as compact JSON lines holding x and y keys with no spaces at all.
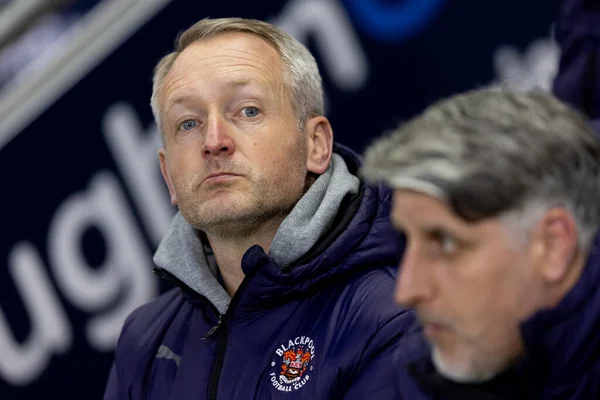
{"x":188,"y":124}
{"x":250,"y":112}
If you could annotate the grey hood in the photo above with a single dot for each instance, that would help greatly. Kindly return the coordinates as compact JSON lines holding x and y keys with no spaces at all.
{"x":183,"y":253}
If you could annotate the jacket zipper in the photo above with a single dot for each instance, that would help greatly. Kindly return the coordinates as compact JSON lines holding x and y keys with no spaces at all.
{"x":220,"y":327}
{"x":215,"y":328}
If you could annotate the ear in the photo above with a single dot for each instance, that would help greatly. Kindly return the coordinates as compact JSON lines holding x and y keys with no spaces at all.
{"x":557,"y":241}
{"x":319,"y":138}
{"x":162,"y":158}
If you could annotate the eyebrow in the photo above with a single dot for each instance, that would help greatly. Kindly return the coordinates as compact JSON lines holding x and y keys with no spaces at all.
{"x":186,"y":98}
{"x":438,"y":231}
{"x":236,"y":84}
{"x":432,"y":229}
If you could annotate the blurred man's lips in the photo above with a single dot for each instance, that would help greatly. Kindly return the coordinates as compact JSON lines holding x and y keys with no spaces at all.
{"x":432,"y":329}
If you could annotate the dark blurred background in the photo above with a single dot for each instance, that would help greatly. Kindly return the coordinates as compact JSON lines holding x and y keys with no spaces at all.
{"x":83,"y":203}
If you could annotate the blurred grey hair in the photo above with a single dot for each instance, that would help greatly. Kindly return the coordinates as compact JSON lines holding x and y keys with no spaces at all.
{"x":301,"y":75}
{"x":497,"y":152}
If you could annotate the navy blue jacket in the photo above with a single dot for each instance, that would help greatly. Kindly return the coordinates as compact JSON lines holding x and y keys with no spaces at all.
{"x":330,"y":320}
{"x":562,"y":362}
{"x":578,"y":34}
{"x":563,"y":344}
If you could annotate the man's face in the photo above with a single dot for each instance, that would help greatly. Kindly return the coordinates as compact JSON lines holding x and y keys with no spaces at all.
{"x":471,"y":285}
{"x":234,"y":156}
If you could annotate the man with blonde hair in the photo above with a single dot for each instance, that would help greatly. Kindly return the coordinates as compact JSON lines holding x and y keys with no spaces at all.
{"x":281,"y":255}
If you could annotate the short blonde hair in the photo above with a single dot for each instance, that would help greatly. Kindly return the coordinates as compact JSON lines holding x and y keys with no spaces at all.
{"x":300,"y":71}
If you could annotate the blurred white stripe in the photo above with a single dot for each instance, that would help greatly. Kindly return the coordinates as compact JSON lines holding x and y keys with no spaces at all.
{"x":83,"y":47}
{"x":16,"y":12}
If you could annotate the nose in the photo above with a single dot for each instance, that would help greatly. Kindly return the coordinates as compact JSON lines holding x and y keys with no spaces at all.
{"x":415,"y":281}
{"x":217,"y":140}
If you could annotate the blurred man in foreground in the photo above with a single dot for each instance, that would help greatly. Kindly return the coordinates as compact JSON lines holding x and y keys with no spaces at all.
{"x":498,"y":194}
{"x":280,"y":254}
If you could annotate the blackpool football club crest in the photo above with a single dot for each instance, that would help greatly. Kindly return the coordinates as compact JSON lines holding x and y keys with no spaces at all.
{"x":292,"y":364}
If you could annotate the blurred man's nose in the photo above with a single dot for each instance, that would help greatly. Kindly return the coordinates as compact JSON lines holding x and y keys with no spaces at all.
{"x":414,"y":283}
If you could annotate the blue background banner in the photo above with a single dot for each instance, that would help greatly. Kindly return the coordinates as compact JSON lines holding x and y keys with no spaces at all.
{"x":84,"y":205}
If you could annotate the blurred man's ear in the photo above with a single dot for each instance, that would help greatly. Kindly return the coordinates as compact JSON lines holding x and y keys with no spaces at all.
{"x":319,"y":138}
{"x":557,"y":240}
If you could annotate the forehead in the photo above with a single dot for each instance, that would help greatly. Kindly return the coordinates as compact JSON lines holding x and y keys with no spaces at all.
{"x":413,"y":205}
{"x":229,"y":56}
{"x":415,"y":210}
